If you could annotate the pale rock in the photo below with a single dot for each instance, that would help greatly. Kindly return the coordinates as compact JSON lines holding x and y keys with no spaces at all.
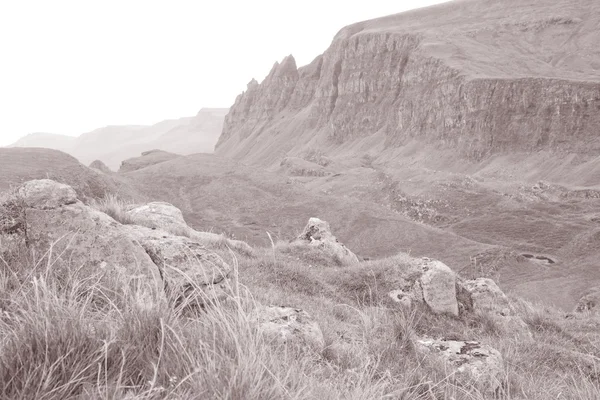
{"x":484,"y":296}
{"x":438,"y":283}
{"x":190,"y":272}
{"x":472,"y":364}
{"x":317,"y":233}
{"x":160,"y":215}
{"x":287,"y":325}
{"x":45,"y":194}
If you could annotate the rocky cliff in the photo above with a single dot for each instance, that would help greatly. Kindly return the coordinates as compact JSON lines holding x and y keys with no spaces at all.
{"x":480,"y":77}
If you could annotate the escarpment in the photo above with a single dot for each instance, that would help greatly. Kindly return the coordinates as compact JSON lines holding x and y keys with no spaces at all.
{"x":478,"y":77}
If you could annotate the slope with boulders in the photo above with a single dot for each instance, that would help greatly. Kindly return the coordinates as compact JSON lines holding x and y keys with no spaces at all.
{"x":294,"y":313}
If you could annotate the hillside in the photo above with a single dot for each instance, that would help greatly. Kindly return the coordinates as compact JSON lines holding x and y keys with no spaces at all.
{"x":18,"y":165}
{"x":113,"y":144}
{"x":479,"y":118}
{"x":126,"y":301}
{"x":477,"y":78}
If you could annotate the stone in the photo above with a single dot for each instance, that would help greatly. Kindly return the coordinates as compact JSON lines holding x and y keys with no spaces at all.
{"x":64,"y":233}
{"x":190,"y":272}
{"x":288,"y":325}
{"x":154,"y":263}
{"x":482,"y":295}
{"x":438,"y":283}
{"x":46,"y":194}
{"x":160,"y":215}
{"x":486,"y":296}
{"x":472,"y":364}
{"x":429,"y":282}
{"x":317,"y":233}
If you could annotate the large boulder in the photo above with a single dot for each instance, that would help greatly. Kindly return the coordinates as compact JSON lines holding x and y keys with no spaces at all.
{"x":46,"y":194}
{"x":287,"y":325}
{"x":473,"y":365}
{"x":483,"y":296}
{"x":431,"y":282}
{"x":160,"y":215}
{"x":46,"y":218}
{"x":191,"y":273}
{"x":64,"y":233}
{"x":318,"y":233}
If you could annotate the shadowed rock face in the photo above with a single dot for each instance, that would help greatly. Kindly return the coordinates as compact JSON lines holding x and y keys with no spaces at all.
{"x":482,"y":77}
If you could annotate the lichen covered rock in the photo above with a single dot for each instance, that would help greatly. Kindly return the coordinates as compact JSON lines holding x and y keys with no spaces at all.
{"x":317,"y":233}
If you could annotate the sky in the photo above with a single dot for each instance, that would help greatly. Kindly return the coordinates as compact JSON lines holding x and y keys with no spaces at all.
{"x":71,"y":66}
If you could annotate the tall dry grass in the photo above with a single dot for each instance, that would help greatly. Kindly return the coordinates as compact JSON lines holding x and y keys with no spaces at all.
{"x":63,"y":336}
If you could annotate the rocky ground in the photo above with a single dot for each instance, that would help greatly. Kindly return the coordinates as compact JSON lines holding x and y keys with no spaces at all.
{"x":123,"y":300}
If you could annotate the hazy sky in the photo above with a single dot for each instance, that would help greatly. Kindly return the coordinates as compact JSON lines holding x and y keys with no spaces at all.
{"x":70,"y":66}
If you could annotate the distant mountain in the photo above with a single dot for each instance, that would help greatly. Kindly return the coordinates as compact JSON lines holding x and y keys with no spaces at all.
{"x":114,"y":144}
{"x":47,"y":140}
{"x":474,"y":78}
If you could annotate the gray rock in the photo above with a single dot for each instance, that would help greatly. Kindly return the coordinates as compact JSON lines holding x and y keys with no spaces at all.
{"x":190,"y":272}
{"x":285,"y":325}
{"x":318,"y":233}
{"x":484,"y":296}
{"x":46,"y":194}
{"x":431,"y":282}
{"x":472,"y":364}
{"x":160,"y":215}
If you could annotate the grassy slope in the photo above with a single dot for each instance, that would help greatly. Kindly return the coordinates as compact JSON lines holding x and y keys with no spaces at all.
{"x":18,"y":165}
{"x":220,"y":194}
{"x":504,"y":39}
{"x":66,"y":337}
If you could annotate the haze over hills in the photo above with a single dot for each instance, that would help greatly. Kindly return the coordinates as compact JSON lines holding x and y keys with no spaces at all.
{"x":113,"y":144}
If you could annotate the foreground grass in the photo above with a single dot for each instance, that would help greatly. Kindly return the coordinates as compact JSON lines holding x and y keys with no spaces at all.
{"x":63,"y":337}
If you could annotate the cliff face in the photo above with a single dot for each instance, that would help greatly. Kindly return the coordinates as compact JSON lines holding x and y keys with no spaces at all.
{"x":479,"y":77}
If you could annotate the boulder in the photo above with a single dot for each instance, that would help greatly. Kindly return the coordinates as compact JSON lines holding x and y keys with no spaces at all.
{"x":482,"y":295}
{"x":46,"y":217}
{"x":287,"y":325}
{"x":431,"y":282}
{"x":160,"y":215}
{"x":472,"y":364}
{"x":318,"y":233}
{"x":589,"y":302}
{"x":190,"y":272}
{"x":46,"y":194}
{"x":62,"y":232}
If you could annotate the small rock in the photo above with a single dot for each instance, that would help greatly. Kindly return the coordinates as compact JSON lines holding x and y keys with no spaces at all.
{"x":318,"y":233}
{"x":289,"y":325}
{"x":474,"y":364}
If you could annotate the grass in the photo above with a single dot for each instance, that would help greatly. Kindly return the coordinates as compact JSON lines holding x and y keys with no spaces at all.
{"x":67,"y":336}
{"x":116,"y":208}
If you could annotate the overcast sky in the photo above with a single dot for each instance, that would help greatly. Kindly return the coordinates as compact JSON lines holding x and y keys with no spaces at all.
{"x":70,"y":66}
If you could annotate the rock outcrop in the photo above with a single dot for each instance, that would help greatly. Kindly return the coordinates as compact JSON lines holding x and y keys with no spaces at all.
{"x":430,"y":282}
{"x":439,"y":76}
{"x":160,"y":215}
{"x":317,"y":233}
{"x":190,"y":272}
{"x":47,"y":218}
{"x":287,"y":325}
{"x":472,"y":364}
{"x":482,"y":295}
